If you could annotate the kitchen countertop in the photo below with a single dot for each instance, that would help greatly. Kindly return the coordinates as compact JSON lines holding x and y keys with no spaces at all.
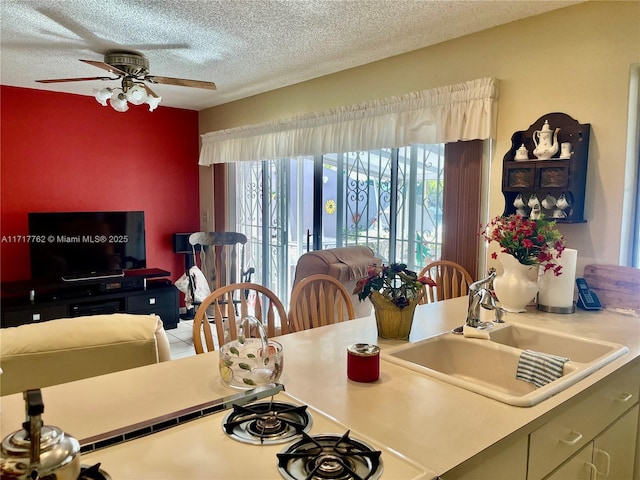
{"x":437,"y":425}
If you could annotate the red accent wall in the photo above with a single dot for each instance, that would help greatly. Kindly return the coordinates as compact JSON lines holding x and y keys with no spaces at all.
{"x":63,"y":152}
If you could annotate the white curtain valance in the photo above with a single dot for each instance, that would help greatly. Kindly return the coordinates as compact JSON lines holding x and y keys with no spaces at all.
{"x":466,"y":111}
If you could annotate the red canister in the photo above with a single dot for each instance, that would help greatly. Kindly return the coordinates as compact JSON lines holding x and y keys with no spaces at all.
{"x":363,"y":362}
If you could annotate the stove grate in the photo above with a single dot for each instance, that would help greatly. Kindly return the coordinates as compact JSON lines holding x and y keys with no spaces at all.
{"x":267,"y":422}
{"x":330,"y":457}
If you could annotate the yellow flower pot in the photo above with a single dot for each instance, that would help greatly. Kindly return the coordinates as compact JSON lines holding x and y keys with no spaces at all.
{"x":392,"y":322}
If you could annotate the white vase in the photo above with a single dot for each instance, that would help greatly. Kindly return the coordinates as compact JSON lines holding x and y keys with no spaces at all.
{"x":518,"y":284}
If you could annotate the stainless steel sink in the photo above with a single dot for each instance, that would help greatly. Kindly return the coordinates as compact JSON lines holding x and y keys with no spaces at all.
{"x":488,"y":367}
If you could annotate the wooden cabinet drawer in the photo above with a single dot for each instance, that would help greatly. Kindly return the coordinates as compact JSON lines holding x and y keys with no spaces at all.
{"x":519,"y":176}
{"x":168,"y":315}
{"x":149,"y":301}
{"x":567,"y":433}
{"x":13,"y":318}
{"x":555,"y":176}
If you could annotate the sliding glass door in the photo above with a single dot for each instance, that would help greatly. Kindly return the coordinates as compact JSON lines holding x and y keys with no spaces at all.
{"x":388,"y":199}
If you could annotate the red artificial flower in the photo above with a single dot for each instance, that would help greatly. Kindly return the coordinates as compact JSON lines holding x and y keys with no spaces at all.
{"x":427,"y":281}
{"x":531,"y":242}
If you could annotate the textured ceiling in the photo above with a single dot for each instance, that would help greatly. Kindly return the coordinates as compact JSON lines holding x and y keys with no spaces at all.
{"x":245,"y":46}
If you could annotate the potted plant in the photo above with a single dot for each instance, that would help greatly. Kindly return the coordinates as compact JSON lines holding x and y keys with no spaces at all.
{"x":394,"y":292}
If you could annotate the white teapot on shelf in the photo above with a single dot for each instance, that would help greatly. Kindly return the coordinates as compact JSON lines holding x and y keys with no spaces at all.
{"x":546,"y":142}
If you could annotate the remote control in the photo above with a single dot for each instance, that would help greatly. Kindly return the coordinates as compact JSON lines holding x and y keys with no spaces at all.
{"x":587,"y":300}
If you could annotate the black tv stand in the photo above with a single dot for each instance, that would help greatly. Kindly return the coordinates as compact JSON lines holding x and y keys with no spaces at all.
{"x":92,"y":276}
{"x":141,"y":291}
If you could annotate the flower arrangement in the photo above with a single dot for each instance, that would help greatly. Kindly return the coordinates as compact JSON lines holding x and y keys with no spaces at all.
{"x":530,"y":241}
{"x":395,"y":282}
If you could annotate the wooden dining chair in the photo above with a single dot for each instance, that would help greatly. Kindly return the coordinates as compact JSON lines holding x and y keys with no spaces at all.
{"x":220,"y":257}
{"x":248,"y":299}
{"x":319,"y":300}
{"x":452,"y":280}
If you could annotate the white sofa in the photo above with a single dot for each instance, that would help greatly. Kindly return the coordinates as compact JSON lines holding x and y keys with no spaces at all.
{"x":59,"y":351}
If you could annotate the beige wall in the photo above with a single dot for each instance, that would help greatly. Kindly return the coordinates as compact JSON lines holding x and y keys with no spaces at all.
{"x":575,"y":60}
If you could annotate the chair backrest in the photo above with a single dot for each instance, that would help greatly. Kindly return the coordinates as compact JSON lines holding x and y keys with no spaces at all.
{"x":319,"y":300}
{"x":216,"y":254}
{"x":452,"y":280}
{"x":228,"y":305}
{"x":346,"y":264}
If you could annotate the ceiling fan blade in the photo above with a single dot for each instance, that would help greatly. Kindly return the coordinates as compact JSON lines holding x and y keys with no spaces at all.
{"x":60,"y":80}
{"x":142,"y":47}
{"x":91,"y":40}
{"x":94,"y":42}
{"x":105,"y":66}
{"x":68,"y":45}
{"x":182,"y":82}
{"x":149,"y":91}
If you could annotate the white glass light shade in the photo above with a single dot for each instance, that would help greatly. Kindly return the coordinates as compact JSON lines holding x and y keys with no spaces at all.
{"x":153,"y":102}
{"x":103,"y":95}
{"x":119,"y":103}
{"x":137,"y":95}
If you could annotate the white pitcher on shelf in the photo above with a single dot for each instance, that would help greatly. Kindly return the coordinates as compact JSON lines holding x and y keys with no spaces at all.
{"x":546,"y":142}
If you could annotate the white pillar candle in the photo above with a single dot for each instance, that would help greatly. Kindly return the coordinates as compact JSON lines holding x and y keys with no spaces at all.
{"x":557,"y":292}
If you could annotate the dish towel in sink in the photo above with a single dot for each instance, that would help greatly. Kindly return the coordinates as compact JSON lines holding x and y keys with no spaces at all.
{"x":539,"y":368}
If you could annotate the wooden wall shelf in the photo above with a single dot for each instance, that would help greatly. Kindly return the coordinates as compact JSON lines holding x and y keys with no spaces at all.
{"x":554,"y":178}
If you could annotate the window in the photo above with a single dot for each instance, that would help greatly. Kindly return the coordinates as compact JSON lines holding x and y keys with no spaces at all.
{"x":388,"y":199}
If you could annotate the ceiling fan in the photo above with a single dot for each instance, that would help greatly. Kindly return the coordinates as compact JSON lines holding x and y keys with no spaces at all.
{"x":132,"y":68}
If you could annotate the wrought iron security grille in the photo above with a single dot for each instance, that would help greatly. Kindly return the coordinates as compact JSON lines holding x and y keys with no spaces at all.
{"x":388,"y":199}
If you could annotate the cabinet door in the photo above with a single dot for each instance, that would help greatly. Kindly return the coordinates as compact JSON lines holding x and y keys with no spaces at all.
{"x":609,"y":456}
{"x":508,"y":461}
{"x":613,"y":451}
{"x":568,"y":432}
{"x":578,"y":468}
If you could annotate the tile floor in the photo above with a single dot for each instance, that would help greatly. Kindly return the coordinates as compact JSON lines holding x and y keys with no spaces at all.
{"x":181,"y":340}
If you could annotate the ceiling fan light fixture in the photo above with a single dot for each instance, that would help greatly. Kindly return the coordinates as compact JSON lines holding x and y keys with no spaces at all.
{"x":137,"y":95}
{"x":119,"y":103}
{"x":153,"y":102}
{"x":103,"y":95}
{"x":132,"y":69}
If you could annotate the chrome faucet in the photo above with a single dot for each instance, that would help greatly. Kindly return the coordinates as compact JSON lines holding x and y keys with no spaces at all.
{"x":480,"y":295}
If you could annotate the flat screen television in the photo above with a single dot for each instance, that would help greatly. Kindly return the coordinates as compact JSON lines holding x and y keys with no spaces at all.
{"x":77,"y":245}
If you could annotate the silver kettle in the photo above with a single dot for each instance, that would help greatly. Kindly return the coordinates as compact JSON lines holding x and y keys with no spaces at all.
{"x":39,"y":451}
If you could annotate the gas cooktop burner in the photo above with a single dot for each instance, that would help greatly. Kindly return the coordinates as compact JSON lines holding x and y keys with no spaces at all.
{"x":93,"y":472}
{"x":267,"y":422}
{"x":329,"y":457}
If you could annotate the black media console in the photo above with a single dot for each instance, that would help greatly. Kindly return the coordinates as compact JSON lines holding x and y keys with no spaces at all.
{"x":144,"y":291}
